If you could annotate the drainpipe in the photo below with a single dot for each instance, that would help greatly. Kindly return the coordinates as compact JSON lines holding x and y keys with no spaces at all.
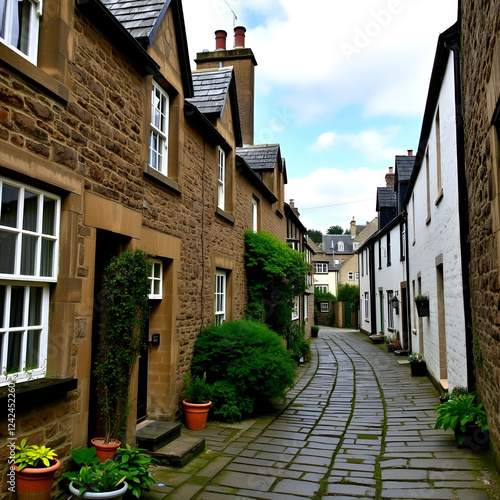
{"x":373,"y":301}
{"x":463,"y":215}
{"x":408,"y":287}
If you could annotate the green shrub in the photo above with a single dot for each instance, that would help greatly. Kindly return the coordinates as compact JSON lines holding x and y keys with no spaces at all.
{"x":314,"y":331}
{"x":245,"y":363}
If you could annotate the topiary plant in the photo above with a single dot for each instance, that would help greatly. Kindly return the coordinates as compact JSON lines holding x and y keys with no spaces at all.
{"x":245,"y":364}
{"x":125,"y":299}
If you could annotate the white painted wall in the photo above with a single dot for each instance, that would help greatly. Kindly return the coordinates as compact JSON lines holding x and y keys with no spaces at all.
{"x":434,"y":240}
{"x":388,"y":279}
{"x":364,"y":287}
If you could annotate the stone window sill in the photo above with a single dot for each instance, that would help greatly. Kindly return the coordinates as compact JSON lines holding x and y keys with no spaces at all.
{"x":163,"y":179}
{"x":224,"y":215}
{"x":37,"y":75}
{"x":36,"y":392}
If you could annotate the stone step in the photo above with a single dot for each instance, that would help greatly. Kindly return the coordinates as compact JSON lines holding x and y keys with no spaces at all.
{"x":179,"y":452}
{"x":152,"y":435}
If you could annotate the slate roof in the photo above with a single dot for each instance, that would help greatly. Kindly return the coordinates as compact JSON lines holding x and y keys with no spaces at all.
{"x":404,"y":168}
{"x":211,"y":90}
{"x":386,"y":198}
{"x":261,"y":157}
{"x":328,"y":239}
{"x":137,"y":16}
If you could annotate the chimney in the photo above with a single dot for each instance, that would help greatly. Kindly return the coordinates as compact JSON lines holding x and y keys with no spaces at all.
{"x":292,"y":203}
{"x":410,"y":152}
{"x":243,"y":62}
{"x":220,"y":40}
{"x":239,"y":37}
{"x":389,"y":178}
{"x":353,"y":227}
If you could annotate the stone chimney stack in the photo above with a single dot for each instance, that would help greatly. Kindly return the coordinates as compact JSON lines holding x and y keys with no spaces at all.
{"x":243,"y":62}
{"x":353,"y":227}
{"x":389,"y":178}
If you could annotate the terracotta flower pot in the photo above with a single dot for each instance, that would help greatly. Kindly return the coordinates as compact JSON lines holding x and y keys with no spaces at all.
{"x":104,"y":450}
{"x":35,"y":484}
{"x":196,"y":415}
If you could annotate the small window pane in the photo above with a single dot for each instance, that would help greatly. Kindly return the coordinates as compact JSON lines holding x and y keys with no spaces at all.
{"x":8,"y":252}
{"x":47,"y":258}
{"x":49,"y":217}
{"x":2,"y":306}
{"x":21,"y":26}
{"x":32,"y":349}
{"x":30,"y":211}
{"x":35,"y":306}
{"x":16,"y":306}
{"x":156,"y":270}
{"x":14,"y":353}
{"x":10,"y":202}
{"x":3,"y":6}
{"x":28,"y":255}
{"x":156,"y":287}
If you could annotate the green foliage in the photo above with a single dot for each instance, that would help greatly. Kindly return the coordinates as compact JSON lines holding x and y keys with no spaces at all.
{"x":33,"y":456}
{"x":131,"y":465}
{"x":245,"y":364}
{"x":97,"y":477}
{"x":416,"y":357}
{"x":276,"y":275}
{"x":335,"y":230}
{"x":197,"y":389}
{"x":457,"y":412}
{"x":135,"y":464}
{"x":348,"y":293}
{"x":315,"y":235}
{"x":422,"y":297}
{"x":324,"y":296}
{"x":125,"y":300}
{"x":314,"y":331}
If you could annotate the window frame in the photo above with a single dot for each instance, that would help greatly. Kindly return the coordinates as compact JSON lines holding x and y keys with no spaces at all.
{"x":295,"y":309}
{"x":388,"y":249}
{"x":321,"y":288}
{"x":366,"y":306}
{"x":220,"y":297}
{"x":390,"y":309}
{"x":320,"y":265}
{"x":324,"y":309}
{"x":255,"y":207}
{"x":221,"y":178}
{"x":21,"y":318}
{"x":350,"y":275}
{"x":161,"y":152}
{"x":36,"y":8}
{"x":156,"y":279}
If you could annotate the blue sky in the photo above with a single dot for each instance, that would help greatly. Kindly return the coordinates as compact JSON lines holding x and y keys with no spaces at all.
{"x":341,"y":86}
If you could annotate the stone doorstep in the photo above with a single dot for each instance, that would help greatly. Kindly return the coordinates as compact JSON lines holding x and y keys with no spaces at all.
{"x":376,"y":339}
{"x":179,"y":452}
{"x":154,"y":434}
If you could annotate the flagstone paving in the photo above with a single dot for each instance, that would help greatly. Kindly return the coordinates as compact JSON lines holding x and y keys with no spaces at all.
{"x":356,"y":425}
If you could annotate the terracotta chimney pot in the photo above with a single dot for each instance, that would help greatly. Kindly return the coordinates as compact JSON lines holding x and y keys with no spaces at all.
{"x":220,"y":40}
{"x":410,"y":152}
{"x":239,"y":37}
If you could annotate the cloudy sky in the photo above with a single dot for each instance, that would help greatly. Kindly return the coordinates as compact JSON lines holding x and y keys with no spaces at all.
{"x":341,"y":86}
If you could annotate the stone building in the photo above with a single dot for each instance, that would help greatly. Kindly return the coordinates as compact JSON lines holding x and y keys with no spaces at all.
{"x":107,"y":143}
{"x":480,"y":78}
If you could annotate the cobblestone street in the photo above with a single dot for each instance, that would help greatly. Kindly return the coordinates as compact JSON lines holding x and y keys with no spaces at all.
{"x":356,"y":425}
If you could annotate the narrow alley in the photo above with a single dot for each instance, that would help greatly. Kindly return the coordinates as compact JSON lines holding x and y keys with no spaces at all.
{"x":356,"y":425}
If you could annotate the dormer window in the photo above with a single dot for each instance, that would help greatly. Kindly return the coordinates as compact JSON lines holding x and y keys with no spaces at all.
{"x":340,"y":246}
{"x":19,"y":24}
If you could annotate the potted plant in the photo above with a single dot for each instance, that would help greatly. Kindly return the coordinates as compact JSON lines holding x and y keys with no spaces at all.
{"x":389,"y":342}
{"x":125,"y":299}
{"x":35,"y":467}
{"x":103,"y":480}
{"x":197,"y":402}
{"x":422,"y":303}
{"x":445,"y":396}
{"x":467,"y":418}
{"x":418,"y":365}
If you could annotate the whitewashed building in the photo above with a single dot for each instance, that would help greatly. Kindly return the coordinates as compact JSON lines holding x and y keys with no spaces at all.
{"x":436,"y":205}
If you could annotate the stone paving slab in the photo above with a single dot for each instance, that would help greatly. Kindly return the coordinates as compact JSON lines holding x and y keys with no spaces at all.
{"x":356,"y":425}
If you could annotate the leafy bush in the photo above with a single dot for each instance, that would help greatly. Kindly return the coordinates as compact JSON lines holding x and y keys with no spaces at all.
{"x":245,"y":363}
{"x":457,"y":412}
{"x":314,"y":331}
{"x":276,"y":275}
{"x":348,"y":293}
{"x":197,"y":389}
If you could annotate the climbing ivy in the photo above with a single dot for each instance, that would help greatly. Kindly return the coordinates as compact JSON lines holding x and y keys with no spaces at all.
{"x":276,"y":275}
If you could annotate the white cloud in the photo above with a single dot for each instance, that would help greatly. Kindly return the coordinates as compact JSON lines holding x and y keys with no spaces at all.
{"x":331,"y":196}
{"x":324,"y":141}
{"x":373,"y":144}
